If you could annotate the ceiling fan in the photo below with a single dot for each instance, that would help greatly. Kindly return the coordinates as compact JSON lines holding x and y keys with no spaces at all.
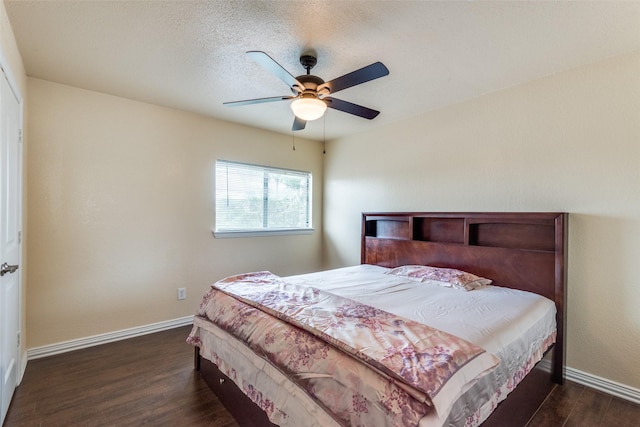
{"x":311,"y":93}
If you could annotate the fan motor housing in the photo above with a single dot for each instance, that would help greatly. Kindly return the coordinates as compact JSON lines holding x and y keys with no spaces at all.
{"x":310,"y":83}
{"x":310,"y":78}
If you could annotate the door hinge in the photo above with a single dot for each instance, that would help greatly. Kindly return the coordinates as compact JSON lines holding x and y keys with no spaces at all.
{"x":20,"y":136}
{"x":20,"y":237}
{"x":18,"y":339}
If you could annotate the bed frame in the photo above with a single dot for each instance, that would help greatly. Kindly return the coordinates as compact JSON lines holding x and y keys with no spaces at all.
{"x":526,"y":251}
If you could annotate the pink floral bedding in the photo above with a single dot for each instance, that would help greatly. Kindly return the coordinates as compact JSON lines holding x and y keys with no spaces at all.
{"x":315,"y":338}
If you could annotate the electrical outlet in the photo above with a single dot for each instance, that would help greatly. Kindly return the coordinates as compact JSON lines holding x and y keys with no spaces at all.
{"x":182,"y":293}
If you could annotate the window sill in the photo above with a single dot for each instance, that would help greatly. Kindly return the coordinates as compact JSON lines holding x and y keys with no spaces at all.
{"x":261,"y":233}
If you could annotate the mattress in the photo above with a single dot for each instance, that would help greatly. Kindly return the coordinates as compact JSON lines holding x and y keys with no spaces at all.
{"x":515,"y":326}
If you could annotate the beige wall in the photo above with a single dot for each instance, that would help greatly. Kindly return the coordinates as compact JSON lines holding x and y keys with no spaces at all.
{"x":569,"y":142}
{"x":121,"y":211}
{"x":13,"y":61}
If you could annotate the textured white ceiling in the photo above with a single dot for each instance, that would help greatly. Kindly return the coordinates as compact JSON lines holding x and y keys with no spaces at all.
{"x":191,"y":54}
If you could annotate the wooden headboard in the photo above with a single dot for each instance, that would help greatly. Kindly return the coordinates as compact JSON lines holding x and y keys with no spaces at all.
{"x":520,"y":250}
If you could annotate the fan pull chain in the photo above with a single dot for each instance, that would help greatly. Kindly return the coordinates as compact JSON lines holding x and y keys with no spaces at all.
{"x":324,"y":134}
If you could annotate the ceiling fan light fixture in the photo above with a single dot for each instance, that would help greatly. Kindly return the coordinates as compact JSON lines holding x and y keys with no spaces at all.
{"x":308,"y":108}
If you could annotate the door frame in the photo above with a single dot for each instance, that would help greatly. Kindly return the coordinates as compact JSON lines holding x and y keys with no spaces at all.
{"x":15,"y":88}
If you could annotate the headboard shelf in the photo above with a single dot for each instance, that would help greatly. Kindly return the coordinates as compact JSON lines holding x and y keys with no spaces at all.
{"x":512,"y":231}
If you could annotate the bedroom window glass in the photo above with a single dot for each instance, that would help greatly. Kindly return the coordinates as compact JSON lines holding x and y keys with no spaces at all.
{"x":261,"y":200}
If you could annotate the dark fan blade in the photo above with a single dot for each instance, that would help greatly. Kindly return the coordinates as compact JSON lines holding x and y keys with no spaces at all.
{"x":257,"y":101}
{"x":348,"y":107}
{"x":298,"y":123}
{"x":357,"y":77}
{"x":271,"y":65}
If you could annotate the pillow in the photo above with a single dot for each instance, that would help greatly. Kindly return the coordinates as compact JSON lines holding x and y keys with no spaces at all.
{"x":447,"y":277}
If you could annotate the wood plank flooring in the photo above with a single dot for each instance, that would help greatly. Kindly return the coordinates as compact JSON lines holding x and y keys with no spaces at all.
{"x":150,"y":380}
{"x":146,"y":380}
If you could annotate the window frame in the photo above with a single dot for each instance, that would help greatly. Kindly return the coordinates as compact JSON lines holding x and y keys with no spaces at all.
{"x":266,"y":231}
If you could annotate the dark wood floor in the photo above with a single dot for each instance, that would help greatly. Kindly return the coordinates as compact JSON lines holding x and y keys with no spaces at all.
{"x":150,"y":380}
{"x":147,"y":380}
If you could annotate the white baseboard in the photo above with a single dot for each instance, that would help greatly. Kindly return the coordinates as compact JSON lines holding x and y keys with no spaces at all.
{"x":63,"y":347}
{"x":607,"y":386}
{"x":598,"y":383}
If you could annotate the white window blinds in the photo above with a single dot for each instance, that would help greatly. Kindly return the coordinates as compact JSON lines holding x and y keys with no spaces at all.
{"x":261,"y":198}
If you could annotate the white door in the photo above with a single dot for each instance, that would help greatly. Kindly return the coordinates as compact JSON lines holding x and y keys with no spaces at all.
{"x":10,"y":236}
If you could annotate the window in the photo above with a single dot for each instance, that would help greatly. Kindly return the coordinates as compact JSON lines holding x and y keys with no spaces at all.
{"x":259,"y":200}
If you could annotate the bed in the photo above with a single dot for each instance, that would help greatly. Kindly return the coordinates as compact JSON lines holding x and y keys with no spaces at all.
{"x":516,"y":251}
